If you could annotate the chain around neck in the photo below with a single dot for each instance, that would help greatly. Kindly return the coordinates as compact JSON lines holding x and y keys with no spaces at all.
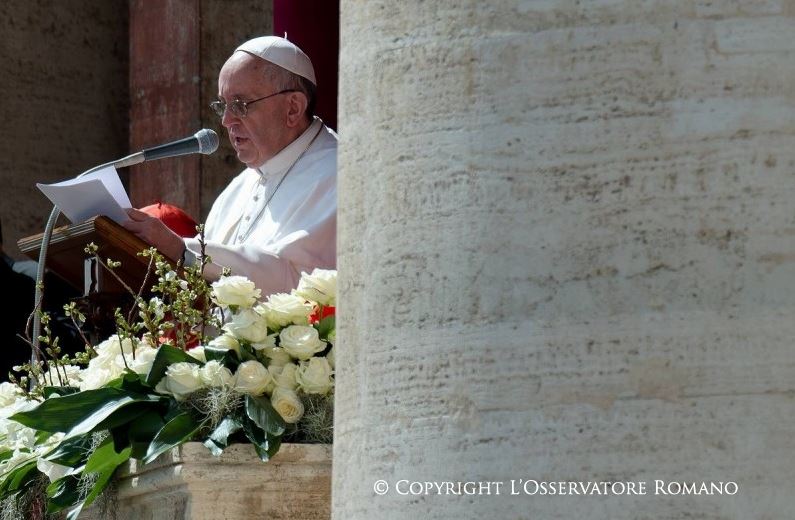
{"x":250,"y":229}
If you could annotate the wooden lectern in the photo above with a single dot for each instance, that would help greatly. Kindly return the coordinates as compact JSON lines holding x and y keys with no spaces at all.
{"x":102,"y":292}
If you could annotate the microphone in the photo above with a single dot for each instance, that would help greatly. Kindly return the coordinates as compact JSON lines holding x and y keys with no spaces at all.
{"x":204,"y":141}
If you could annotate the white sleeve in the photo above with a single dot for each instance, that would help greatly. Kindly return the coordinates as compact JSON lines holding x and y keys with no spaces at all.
{"x":276,"y":267}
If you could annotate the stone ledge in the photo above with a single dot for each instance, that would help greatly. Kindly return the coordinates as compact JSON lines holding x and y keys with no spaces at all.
{"x":189,"y":483}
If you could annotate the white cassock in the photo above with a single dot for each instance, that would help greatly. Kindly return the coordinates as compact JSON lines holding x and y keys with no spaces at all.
{"x":271,"y":237}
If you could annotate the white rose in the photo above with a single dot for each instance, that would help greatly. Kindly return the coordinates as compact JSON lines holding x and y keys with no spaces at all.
{"x":144,"y":357}
{"x":183,"y":379}
{"x":301,"y":342}
{"x":252,"y":378}
{"x":20,"y":404}
{"x":277,"y":356}
{"x":104,"y":368}
{"x":16,"y":436}
{"x":112,"y":346}
{"x":283,"y":309}
{"x":287,"y":404}
{"x":213,"y":373}
{"x":8,"y":394}
{"x":197,"y":353}
{"x":314,"y":376}
{"x":74,"y":374}
{"x":248,"y":325}
{"x":319,"y":287}
{"x":284,"y":376}
{"x":235,"y":290}
{"x":96,"y":377}
{"x":225,"y":341}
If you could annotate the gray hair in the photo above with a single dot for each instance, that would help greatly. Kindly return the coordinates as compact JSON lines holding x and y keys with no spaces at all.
{"x":283,"y":79}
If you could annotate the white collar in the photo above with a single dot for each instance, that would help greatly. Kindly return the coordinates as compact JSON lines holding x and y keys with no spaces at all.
{"x":290,"y":153}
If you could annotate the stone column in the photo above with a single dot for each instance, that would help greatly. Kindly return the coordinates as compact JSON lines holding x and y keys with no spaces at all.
{"x":566,"y":253}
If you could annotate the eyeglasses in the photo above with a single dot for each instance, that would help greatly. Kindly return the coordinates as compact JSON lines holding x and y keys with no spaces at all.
{"x":238,"y":107}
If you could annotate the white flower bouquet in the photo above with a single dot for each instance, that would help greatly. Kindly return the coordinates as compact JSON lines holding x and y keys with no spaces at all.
{"x":213,"y":363}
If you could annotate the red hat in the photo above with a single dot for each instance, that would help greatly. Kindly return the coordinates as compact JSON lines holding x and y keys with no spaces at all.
{"x":177,"y":220}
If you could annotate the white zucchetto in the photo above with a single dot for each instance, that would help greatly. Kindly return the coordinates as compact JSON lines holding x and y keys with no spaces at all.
{"x":281,"y":52}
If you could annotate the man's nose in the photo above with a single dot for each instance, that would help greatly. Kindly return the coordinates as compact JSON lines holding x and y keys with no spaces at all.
{"x":229,"y":118}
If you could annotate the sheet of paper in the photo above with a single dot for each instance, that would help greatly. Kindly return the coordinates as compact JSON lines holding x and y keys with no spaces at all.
{"x":98,"y":193}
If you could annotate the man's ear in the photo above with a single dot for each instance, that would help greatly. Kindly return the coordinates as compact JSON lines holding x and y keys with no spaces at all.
{"x":296,"y":108}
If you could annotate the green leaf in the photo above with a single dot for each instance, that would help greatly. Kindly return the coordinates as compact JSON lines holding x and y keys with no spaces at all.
{"x":63,"y":493}
{"x":215,"y":449}
{"x":219,"y":438}
{"x":258,"y":438}
{"x":226,"y":357}
{"x":6,"y":454}
{"x":142,"y":431}
{"x":131,"y":382}
{"x":225,"y":428}
{"x":325,"y":327}
{"x":167,"y":355}
{"x":104,"y":462}
{"x":246,"y":353}
{"x":19,"y":477}
{"x":87,"y":411}
{"x":265,"y":445}
{"x":41,"y":437}
{"x":274,"y":443}
{"x":71,"y":452}
{"x":260,"y":410}
{"x":57,"y":391}
{"x":176,"y":431}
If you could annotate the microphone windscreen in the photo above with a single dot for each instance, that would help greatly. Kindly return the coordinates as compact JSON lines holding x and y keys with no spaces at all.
{"x":208,"y":141}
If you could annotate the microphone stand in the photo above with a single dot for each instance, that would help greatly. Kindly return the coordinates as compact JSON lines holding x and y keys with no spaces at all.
{"x":130,"y":160}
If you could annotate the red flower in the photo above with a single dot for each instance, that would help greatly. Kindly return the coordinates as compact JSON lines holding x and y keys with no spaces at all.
{"x":315,"y":318}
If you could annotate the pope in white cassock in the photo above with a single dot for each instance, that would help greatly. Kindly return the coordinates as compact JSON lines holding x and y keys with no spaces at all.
{"x":279,"y":216}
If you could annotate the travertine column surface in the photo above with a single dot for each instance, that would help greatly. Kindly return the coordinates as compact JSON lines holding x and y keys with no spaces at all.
{"x":566,"y":253}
